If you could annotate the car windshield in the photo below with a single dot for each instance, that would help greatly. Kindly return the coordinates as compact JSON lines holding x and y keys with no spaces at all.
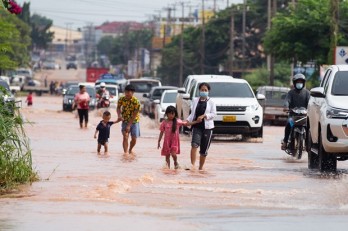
{"x":75,"y":89}
{"x":229,"y":90}
{"x":157,"y":93}
{"x":340,"y":83}
{"x":111,"y":90}
{"x":144,"y":86}
{"x":170,"y":97}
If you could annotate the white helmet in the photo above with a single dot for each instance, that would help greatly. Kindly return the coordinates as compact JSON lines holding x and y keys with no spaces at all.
{"x":102,"y":84}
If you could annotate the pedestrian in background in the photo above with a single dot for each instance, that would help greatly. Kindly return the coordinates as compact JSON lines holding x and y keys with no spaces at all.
{"x":170,"y":129}
{"x":29,"y":99}
{"x":103,"y":131}
{"x":128,"y":108}
{"x":81,"y":101}
{"x":203,"y":109}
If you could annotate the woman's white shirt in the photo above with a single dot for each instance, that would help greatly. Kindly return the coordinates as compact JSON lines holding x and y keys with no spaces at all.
{"x":210,"y":112}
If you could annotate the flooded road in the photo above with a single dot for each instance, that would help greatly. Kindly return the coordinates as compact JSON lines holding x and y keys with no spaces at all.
{"x":245,"y":186}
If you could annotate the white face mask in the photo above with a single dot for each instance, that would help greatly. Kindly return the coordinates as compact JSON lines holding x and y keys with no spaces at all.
{"x":299,"y":86}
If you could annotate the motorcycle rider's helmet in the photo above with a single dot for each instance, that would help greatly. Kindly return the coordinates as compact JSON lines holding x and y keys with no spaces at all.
{"x":299,"y":81}
{"x":102,"y":84}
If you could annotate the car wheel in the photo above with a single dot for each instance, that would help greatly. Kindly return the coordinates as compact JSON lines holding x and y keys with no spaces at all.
{"x":327,"y":162}
{"x":313,"y":159}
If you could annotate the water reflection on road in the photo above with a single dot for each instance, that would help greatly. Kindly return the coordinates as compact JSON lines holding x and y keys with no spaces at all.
{"x":245,"y":186}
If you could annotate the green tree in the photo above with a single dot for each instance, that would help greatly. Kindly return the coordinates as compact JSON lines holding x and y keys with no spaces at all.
{"x":25,"y":15}
{"x":301,"y":34}
{"x":40,"y":34}
{"x":125,"y":46}
{"x":15,"y":41}
{"x":104,"y":45}
{"x":217,"y":43}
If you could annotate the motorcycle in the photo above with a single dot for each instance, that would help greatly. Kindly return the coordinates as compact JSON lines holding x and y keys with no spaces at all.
{"x":104,"y":101}
{"x":297,"y":138}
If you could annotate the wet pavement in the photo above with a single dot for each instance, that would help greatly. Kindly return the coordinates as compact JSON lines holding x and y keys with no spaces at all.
{"x":245,"y":186}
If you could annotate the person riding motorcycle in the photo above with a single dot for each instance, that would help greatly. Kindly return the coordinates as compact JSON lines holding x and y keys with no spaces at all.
{"x":103,"y":95}
{"x":297,"y":97}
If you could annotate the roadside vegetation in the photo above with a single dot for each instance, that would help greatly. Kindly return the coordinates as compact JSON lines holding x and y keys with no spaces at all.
{"x":15,"y":154}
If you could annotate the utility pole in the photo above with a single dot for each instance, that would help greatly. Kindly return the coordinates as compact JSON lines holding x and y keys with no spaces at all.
{"x":243,"y":36}
{"x":214,"y":7}
{"x":202,"y":40}
{"x":231,"y":43}
{"x":181,"y":73}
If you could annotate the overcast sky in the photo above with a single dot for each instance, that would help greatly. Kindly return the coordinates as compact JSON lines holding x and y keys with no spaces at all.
{"x":79,"y":13}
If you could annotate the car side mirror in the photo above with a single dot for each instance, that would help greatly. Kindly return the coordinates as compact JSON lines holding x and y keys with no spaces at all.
{"x":181,"y":90}
{"x":186,"y":96}
{"x":318,"y":92}
{"x":260,"y":97}
{"x":156,"y":101}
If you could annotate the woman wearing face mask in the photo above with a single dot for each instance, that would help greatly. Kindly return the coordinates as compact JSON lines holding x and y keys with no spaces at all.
{"x":297,"y":97}
{"x":203,"y":110}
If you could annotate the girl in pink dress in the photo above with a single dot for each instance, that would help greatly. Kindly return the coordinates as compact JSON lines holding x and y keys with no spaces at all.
{"x":170,"y":128}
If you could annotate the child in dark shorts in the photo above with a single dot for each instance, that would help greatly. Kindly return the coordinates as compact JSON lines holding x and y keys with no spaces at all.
{"x":104,"y":131}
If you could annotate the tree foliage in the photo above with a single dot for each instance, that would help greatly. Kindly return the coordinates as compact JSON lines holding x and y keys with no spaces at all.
{"x":40,"y":34}
{"x":301,"y":33}
{"x":122,"y":48}
{"x":217,"y":43}
{"x":15,"y":40}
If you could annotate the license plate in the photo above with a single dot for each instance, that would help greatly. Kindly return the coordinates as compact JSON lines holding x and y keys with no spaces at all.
{"x":229,"y":119}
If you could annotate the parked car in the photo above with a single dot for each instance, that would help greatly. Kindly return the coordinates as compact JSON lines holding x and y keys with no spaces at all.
{"x":111,"y":79}
{"x":168,"y":98}
{"x":6,"y":97}
{"x":113,"y":90}
{"x":70,"y":65}
{"x":155,"y":93}
{"x":69,"y":96}
{"x":238,"y":111}
{"x":328,"y":120}
{"x":67,"y":85}
{"x":183,"y":106}
{"x":273,"y":104}
{"x":143,"y":86}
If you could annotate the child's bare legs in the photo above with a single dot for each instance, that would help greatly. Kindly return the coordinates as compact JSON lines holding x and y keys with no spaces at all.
{"x":106,"y":148}
{"x":175,"y":159}
{"x":98,"y":149}
{"x":168,"y":161}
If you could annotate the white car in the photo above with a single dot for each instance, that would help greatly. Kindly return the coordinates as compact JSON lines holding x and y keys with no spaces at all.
{"x":113,"y":90}
{"x":328,"y":120}
{"x":167,"y":99}
{"x":238,"y":111}
{"x":142,"y":86}
{"x":183,"y":106}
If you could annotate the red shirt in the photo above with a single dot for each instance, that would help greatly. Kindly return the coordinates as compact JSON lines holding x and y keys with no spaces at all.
{"x":82,"y":100}
{"x":30,"y":98}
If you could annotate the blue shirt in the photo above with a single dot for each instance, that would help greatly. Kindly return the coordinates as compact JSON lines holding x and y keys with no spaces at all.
{"x":104,"y":131}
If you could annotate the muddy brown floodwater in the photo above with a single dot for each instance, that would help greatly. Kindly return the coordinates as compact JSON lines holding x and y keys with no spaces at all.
{"x":245,"y":186}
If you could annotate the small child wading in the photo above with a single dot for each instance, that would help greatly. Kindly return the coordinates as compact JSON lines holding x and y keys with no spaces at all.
{"x":104,"y":131}
{"x":170,"y":129}
{"x":29,"y":99}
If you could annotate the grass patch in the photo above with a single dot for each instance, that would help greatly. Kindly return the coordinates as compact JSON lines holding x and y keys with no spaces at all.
{"x":15,"y":153}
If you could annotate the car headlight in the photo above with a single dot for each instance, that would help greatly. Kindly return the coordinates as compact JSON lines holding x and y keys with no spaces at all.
{"x":336,"y":113}
{"x":254,"y":107}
